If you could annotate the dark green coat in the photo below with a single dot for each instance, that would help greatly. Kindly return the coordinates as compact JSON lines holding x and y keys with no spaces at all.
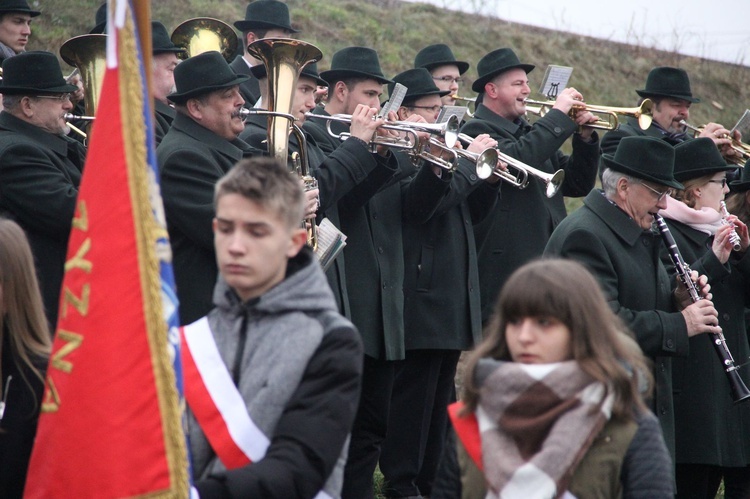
{"x":523,"y":219}
{"x":191,"y":160}
{"x":626,"y":261}
{"x":442,"y":308}
{"x":39,"y":178}
{"x":250,"y":89}
{"x":163,"y":117}
{"x":709,"y":427}
{"x":629,"y":128}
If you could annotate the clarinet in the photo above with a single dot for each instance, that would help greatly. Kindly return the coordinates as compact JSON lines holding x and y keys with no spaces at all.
{"x":734,"y":238}
{"x":738,"y":388}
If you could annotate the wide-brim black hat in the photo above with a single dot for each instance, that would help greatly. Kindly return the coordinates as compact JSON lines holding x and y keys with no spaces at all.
{"x":201,"y":74}
{"x":266,"y":14}
{"x":668,"y":82}
{"x":355,"y":62}
{"x":161,"y":42}
{"x":33,"y":73}
{"x":101,"y":20}
{"x":743,"y":183}
{"x":646,"y":158}
{"x":698,"y":157}
{"x":496,"y":62}
{"x":437,"y":55}
{"x":17,"y":6}
{"x":418,"y":83}
{"x":310,"y":70}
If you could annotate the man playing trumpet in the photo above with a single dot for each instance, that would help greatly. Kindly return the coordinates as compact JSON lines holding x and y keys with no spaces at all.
{"x":523,"y":220}
{"x":445,"y":70}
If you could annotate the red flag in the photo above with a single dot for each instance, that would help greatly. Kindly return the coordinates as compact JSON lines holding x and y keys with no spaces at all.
{"x":111,"y":418}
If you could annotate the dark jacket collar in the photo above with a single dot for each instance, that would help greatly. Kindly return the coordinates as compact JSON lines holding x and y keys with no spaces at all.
{"x":235,"y":148}
{"x":57,"y":143}
{"x":617,"y":220}
{"x":165,"y":110}
{"x":484,"y":113}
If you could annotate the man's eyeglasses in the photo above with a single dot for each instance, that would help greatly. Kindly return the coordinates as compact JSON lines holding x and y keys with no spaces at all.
{"x":659,"y":194}
{"x":434,"y":109}
{"x":60,"y":97}
{"x":722,"y":181}
{"x":448,"y":79}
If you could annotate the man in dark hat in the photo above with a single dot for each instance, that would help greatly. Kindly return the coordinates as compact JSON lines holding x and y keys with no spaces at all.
{"x":163,"y":64}
{"x":612,"y":235}
{"x":439,"y":60}
{"x":442,"y":315}
{"x":199,"y":148}
{"x":40,"y":168}
{"x":263,"y":19}
{"x":669,"y":90}
{"x":15,"y":27}
{"x":524,"y":218}
{"x":100,"y":21}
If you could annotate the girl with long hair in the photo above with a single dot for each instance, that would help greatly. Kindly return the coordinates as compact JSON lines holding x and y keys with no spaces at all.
{"x":553,"y":403}
{"x":24,"y":349}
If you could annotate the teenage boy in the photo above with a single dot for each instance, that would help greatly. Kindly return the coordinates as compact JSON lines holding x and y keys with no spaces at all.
{"x":274,"y":363}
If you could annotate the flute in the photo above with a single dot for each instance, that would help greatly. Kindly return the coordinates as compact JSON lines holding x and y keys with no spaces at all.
{"x":738,"y":388}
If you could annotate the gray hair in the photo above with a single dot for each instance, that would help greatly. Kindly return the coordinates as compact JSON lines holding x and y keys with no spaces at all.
{"x":610,"y":178}
{"x":11,"y":102}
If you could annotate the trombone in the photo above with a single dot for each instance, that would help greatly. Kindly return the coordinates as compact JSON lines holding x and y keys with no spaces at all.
{"x":552,"y":181}
{"x":609,"y":115}
{"x":447,"y":130}
{"x":742,"y":148}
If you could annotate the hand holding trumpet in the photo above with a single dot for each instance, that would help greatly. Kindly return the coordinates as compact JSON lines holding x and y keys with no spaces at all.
{"x":480,"y":144}
{"x":568,"y":101}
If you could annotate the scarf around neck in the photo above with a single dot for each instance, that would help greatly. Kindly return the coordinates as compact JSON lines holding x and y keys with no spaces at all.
{"x":705,"y":220}
{"x":536,"y":422}
{"x":6,"y":52}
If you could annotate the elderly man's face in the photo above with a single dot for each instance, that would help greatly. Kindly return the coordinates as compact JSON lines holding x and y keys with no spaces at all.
{"x":162,"y":82}
{"x":641,"y":200}
{"x":48,"y":112}
{"x":219,"y":111}
{"x":15,"y":30}
{"x":668,"y":113}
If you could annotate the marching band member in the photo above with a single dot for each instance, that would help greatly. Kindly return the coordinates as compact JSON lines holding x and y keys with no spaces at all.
{"x":523,"y":220}
{"x":199,"y":148}
{"x":40,"y":168}
{"x":263,"y":19}
{"x":439,"y":60}
{"x":442,"y":315}
{"x":707,"y":420}
{"x":612,"y":235}
{"x":15,"y":27}
{"x":163,"y":65}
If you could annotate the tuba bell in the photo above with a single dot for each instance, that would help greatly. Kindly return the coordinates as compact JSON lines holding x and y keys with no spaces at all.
{"x":284,"y":59}
{"x":88,"y":54}
{"x":204,"y":34}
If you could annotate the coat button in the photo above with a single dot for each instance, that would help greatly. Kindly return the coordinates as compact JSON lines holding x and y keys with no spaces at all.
{"x":646,"y":242}
{"x":380,"y":250}
{"x":385,"y":286}
{"x":558,"y":130}
{"x":662,"y":367}
{"x":662,"y":411}
{"x":670,"y":344}
{"x":473,"y":177}
{"x":726,"y":317}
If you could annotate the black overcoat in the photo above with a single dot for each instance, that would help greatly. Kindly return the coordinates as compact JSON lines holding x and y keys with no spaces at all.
{"x":39,"y":177}
{"x":191,"y":160}
{"x":709,"y":427}
{"x":163,"y":118}
{"x":523,"y":219}
{"x":626,"y":261}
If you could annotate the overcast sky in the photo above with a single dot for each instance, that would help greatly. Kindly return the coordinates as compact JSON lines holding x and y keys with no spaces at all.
{"x":717,"y":30}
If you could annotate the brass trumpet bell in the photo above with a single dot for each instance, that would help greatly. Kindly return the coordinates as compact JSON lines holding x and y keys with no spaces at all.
{"x":204,"y":34}
{"x":88,"y":53}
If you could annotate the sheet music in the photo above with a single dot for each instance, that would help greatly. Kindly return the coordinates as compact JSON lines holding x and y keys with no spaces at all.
{"x":743,"y":125}
{"x":331,"y":242}
{"x":447,"y":111}
{"x":397,"y":97}
{"x":555,"y":79}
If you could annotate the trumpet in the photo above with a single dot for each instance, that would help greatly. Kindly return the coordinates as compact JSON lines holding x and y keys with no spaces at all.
{"x":448,"y":130}
{"x":446,"y":164}
{"x":743,"y":150}
{"x":552,"y":181}
{"x":642,"y":113}
{"x":468,"y":100}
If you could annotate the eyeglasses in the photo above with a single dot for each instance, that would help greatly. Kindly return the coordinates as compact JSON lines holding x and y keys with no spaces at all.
{"x":722,"y":181}
{"x":448,"y":79}
{"x":434,"y":109}
{"x":60,"y":97}
{"x":659,"y":194}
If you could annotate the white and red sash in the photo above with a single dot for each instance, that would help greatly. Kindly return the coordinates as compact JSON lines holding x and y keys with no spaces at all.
{"x":215,"y":401}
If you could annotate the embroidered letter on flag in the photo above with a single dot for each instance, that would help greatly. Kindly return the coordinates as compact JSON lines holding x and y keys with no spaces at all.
{"x":111,"y":422}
